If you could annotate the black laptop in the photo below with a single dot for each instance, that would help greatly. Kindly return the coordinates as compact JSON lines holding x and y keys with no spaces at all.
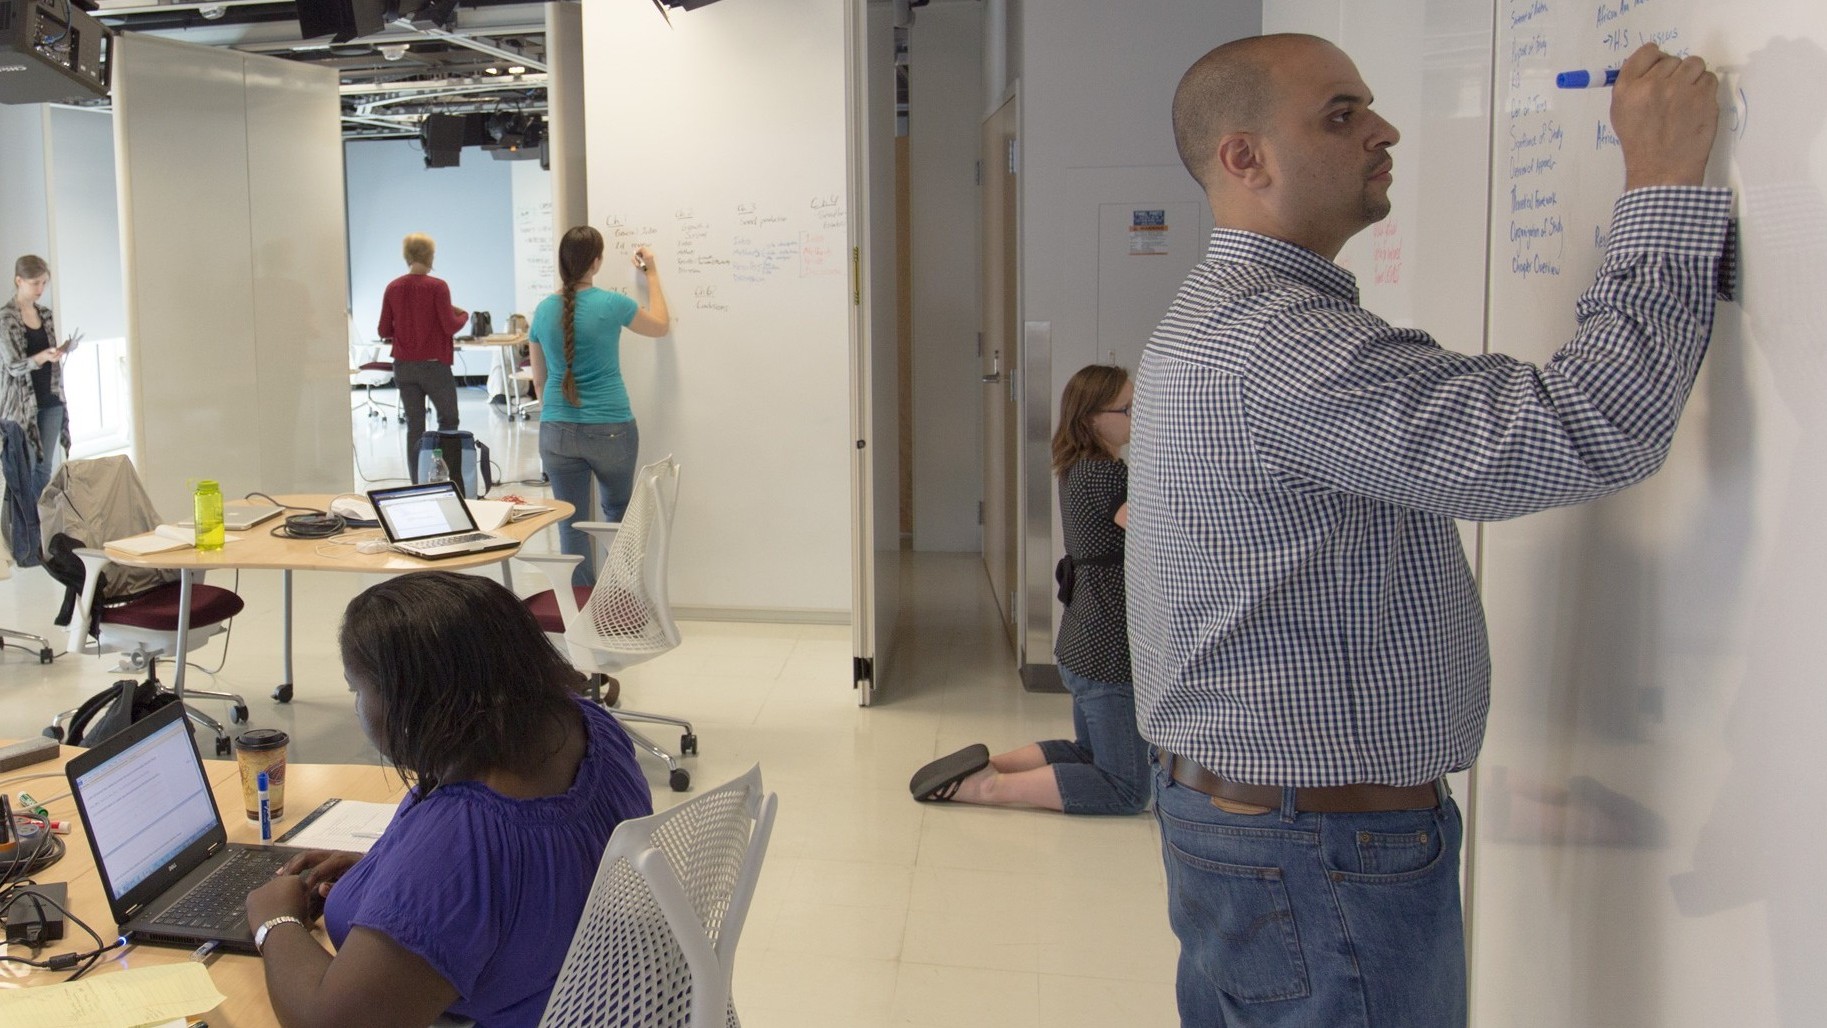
{"x":170,"y":873}
{"x":432,"y":522}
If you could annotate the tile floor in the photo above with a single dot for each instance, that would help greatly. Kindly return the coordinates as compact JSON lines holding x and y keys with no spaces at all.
{"x":872,"y":909}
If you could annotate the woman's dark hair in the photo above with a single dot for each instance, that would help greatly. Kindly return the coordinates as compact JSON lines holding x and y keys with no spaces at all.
{"x":579,"y":249}
{"x":1090,"y":390}
{"x":466,"y":680}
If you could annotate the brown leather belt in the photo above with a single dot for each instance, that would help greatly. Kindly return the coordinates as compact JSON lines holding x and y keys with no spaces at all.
{"x":1318,"y":799}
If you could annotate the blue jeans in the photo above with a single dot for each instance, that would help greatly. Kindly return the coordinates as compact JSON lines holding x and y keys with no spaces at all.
{"x":1285,"y":918}
{"x":573,"y":455}
{"x":1104,"y":770}
{"x":50,"y":437}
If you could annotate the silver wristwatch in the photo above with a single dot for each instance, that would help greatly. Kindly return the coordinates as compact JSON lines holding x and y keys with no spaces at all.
{"x":269,"y":925}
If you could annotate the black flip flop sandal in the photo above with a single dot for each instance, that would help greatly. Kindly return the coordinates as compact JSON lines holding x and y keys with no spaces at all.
{"x":938,"y":781}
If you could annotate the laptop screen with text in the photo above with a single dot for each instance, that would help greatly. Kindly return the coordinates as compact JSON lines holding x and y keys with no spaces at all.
{"x":422,"y":511}
{"x":146,"y":805}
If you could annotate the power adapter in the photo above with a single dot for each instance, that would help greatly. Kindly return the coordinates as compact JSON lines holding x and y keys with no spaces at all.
{"x":34,"y":913}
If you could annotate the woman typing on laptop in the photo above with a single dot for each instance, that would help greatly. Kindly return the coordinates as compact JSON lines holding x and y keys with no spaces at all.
{"x":469,"y":900}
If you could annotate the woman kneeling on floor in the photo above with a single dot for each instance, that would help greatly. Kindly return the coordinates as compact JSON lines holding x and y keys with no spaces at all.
{"x":1104,"y":768}
{"x":468,"y":902}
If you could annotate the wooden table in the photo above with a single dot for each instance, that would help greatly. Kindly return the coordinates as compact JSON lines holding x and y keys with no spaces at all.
{"x":505,"y":345}
{"x":238,"y":976}
{"x":259,"y":548}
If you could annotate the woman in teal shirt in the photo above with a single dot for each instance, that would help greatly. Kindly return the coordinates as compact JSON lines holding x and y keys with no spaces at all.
{"x":586,"y":427}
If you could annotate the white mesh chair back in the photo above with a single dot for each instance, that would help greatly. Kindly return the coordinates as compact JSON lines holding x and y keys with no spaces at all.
{"x":656,"y":945}
{"x":628,"y":618}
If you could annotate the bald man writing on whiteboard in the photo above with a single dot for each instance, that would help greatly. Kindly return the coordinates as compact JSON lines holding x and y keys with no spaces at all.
{"x":1310,"y":651}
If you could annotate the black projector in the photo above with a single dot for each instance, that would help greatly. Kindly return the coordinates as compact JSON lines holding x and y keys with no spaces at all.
{"x":50,"y":51}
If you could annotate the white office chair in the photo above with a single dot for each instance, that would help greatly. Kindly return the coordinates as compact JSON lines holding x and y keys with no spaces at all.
{"x":656,"y":945}
{"x":626,"y":618}
{"x":89,"y":502}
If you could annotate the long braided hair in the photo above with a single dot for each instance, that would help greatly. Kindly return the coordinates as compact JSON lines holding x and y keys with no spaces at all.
{"x":579,"y":249}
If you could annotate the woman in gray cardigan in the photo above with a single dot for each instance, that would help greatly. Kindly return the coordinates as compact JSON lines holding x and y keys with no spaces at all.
{"x":36,"y":433}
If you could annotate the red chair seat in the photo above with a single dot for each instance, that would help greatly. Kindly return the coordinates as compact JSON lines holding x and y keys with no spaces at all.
{"x":377,"y":366}
{"x":158,"y":610}
{"x":545,"y":610}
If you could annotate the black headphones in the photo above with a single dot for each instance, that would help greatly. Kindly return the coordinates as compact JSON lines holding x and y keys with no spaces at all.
{"x":311,"y":526}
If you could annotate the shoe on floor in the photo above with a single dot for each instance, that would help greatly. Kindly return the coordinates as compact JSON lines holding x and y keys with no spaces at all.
{"x":938,"y":781}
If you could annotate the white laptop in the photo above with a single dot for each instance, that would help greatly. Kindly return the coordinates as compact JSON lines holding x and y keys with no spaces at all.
{"x":432,"y":521}
{"x":239,"y":517}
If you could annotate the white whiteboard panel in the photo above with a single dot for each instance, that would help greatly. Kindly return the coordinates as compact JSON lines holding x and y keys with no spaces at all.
{"x":1647,"y":845}
{"x":230,"y":179}
{"x":720,"y":142}
{"x":1428,"y":66}
{"x":535,"y":241}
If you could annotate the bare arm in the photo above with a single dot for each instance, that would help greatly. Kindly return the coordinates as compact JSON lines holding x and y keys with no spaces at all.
{"x":653,"y":320}
{"x":536,"y":359}
{"x":1122,"y":516}
{"x":371,"y":980}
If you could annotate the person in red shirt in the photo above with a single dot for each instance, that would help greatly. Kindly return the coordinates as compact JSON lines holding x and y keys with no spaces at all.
{"x":418,"y":318}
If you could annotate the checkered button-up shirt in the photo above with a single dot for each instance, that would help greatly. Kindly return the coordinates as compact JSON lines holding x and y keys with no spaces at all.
{"x":1301,"y":611}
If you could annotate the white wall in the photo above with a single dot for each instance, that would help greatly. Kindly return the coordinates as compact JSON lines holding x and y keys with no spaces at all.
{"x":1097,"y":86}
{"x":230,"y":174}
{"x":722,"y":141}
{"x":945,"y":105}
{"x":467,"y":210}
{"x":24,"y":218}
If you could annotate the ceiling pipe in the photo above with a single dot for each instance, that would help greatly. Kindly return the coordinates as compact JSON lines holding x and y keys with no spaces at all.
{"x":475,"y":44}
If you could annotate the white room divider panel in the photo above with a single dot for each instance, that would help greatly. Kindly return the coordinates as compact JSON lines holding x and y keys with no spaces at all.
{"x":230,"y":175}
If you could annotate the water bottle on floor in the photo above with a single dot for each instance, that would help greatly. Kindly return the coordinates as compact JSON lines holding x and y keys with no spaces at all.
{"x":440,"y":471}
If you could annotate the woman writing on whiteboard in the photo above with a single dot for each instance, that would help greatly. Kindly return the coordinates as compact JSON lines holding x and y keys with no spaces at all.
{"x":586,"y":426}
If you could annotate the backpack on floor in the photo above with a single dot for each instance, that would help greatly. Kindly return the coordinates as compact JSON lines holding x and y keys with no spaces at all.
{"x":465,"y":457}
{"x":114,"y":709}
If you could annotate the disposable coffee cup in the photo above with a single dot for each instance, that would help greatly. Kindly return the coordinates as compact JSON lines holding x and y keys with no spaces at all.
{"x":262,"y":749}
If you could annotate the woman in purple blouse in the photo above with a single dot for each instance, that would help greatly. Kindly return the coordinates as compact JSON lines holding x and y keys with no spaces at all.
{"x":467,"y":904}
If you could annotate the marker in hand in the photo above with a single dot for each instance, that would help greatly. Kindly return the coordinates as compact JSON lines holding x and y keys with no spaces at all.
{"x":1581,"y":78}
{"x":266,"y":819}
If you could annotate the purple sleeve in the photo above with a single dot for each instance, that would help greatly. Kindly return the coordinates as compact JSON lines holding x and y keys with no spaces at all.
{"x":445,"y":908}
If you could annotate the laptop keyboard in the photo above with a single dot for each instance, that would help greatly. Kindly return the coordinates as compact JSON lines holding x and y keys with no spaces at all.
{"x":219,"y":901}
{"x":452,"y":540}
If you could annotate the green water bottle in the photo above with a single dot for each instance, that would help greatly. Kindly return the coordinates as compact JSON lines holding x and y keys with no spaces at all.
{"x":208,"y":517}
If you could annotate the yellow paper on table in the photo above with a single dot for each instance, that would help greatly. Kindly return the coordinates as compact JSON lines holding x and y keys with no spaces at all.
{"x":142,"y":995}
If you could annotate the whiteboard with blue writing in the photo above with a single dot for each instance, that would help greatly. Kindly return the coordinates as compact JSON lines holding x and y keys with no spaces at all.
{"x":1646,"y":841}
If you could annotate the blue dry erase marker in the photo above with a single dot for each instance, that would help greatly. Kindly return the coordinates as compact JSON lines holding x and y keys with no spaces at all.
{"x":1583,"y":79}
{"x":266,"y":819}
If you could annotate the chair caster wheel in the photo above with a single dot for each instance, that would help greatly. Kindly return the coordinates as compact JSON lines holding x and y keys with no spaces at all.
{"x":688,"y":744}
{"x":237,"y":714}
{"x":54,"y":732}
{"x":283,"y":693}
{"x":45,"y":655}
{"x":681,"y":780}
{"x":222,"y":746}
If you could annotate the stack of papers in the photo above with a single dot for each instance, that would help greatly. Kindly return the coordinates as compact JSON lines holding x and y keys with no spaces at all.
{"x":492,"y":514}
{"x":160,"y":539}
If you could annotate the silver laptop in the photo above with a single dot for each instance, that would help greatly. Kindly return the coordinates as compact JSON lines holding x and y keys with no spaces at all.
{"x":239,"y":517}
{"x":166,"y":864}
{"x":432,"y":521}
